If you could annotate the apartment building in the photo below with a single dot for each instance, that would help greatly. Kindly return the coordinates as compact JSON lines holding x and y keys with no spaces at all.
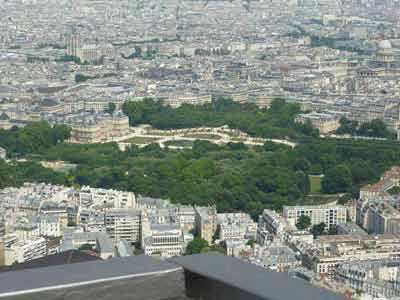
{"x":233,"y":226}
{"x":378,"y":278}
{"x":123,"y":224}
{"x":379,"y":218}
{"x":186,"y":217}
{"x":177,"y":100}
{"x":94,"y":53}
{"x":98,"y":198}
{"x":270,"y":225}
{"x":27,"y":250}
{"x":164,"y":239}
{"x":206,"y":222}
{"x":389,"y":179}
{"x":50,"y":226}
{"x":26,"y":231}
{"x":331,"y":214}
{"x":331,"y":251}
{"x":98,"y":240}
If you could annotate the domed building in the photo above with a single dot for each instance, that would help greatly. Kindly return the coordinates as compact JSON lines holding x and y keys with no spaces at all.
{"x":385,"y":62}
{"x":385,"y":52}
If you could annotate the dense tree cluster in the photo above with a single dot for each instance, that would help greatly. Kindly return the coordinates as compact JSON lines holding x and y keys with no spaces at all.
{"x":33,"y":138}
{"x":233,"y":176}
{"x":198,"y":245}
{"x":304,"y":222}
{"x":375,"y":128}
{"x":318,"y":229}
{"x":348,"y":164}
{"x":16,"y":174}
{"x":276,"y":122}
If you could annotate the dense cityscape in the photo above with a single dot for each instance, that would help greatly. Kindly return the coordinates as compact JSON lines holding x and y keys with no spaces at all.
{"x":160,"y":133}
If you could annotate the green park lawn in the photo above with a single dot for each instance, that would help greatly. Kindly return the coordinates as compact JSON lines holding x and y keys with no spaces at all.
{"x":315,"y":184}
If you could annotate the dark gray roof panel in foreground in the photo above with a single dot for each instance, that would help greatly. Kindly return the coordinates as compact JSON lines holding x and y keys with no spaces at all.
{"x":81,"y":274}
{"x":253,"y":279}
{"x":63,"y":258}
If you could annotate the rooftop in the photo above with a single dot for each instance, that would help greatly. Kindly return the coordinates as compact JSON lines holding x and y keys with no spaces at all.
{"x":110,"y":274}
{"x":142,"y":277}
{"x":252,"y":279}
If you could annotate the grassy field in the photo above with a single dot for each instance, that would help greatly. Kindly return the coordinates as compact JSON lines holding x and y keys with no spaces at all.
{"x":318,"y":199}
{"x":208,"y":136}
{"x":160,"y":133}
{"x":179,"y":143}
{"x":315,"y":184}
{"x":141,"y":140}
{"x":238,"y":140}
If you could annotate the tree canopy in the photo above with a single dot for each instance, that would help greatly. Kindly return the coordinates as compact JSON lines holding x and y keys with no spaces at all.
{"x":233,"y":176}
{"x":375,"y":128}
{"x":318,"y":229}
{"x":33,"y":138}
{"x":303,"y":222}
{"x":198,"y":245}
{"x":277,"y":122}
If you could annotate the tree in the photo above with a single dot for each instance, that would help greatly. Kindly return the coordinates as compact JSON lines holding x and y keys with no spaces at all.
{"x":86,"y":247}
{"x":111,"y":108}
{"x":82,"y":78}
{"x":394,"y":190}
{"x":375,"y":128}
{"x":215,"y":235}
{"x":198,"y":245}
{"x":71,"y":223}
{"x":318,"y":229}
{"x":332,"y":230}
{"x":344,"y":199}
{"x":337,"y":179}
{"x":251,"y":242}
{"x":347,"y":127}
{"x":303,"y":223}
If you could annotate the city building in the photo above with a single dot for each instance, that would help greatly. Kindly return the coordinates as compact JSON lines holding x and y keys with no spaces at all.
{"x":206,"y":222}
{"x":123,"y":224}
{"x":270,"y":225}
{"x":73,"y":44}
{"x":325,"y":123}
{"x":378,"y":279}
{"x":389,"y":179}
{"x":164,"y":239}
{"x":331,"y":251}
{"x":186,"y":216}
{"x":100,"y":129}
{"x":100,"y":198}
{"x":232,"y":226}
{"x":99,"y":241}
{"x":50,"y":226}
{"x":349,"y":228}
{"x":330,"y":214}
{"x":279,"y":258}
{"x":27,"y":250}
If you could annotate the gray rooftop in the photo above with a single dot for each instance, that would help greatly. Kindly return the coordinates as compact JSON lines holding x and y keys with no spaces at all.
{"x":252,"y":279}
{"x":24,"y":282}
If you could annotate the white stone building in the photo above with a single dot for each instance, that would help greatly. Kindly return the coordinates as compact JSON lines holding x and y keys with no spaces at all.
{"x":331,"y":214}
{"x":166,"y":240}
{"x":27,"y":250}
{"x":123,"y":224}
